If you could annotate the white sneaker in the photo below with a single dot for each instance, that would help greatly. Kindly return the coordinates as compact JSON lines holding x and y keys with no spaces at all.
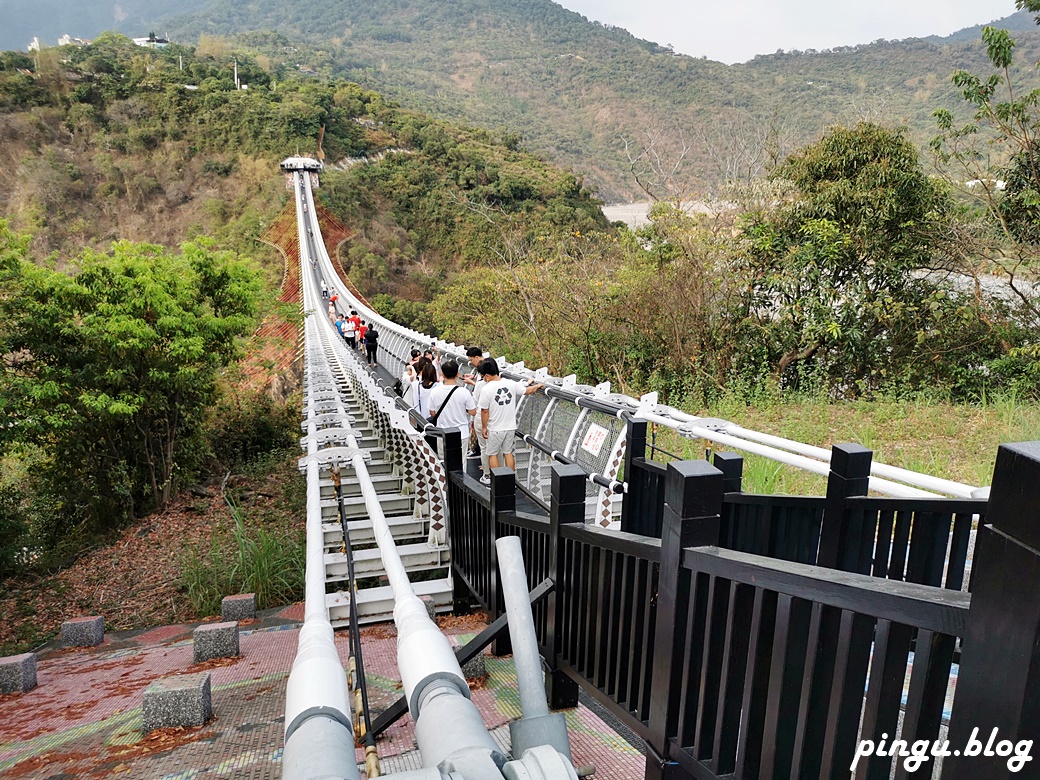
{"x":485,"y":479}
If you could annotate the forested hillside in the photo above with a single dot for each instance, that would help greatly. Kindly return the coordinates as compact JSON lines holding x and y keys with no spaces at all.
{"x":138,"y":184}
{"x":493,"y":64}
{"x":592,"y":97}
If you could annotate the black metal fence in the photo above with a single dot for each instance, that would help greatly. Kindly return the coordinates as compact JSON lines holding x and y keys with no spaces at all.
{"x":765,"y":636}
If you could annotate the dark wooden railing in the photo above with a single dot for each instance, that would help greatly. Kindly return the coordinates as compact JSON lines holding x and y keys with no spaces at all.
{"x":914,"y":540}
{"x":764,"y":636}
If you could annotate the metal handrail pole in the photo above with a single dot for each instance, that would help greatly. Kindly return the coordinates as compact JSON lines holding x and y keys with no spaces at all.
{"x":537,"y":726}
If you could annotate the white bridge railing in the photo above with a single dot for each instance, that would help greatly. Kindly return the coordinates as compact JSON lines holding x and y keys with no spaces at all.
{"x":567,"y":413}
{"x":450,"y":732}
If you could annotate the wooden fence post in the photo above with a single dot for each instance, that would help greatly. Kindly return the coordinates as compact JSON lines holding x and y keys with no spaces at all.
{"x":635,"y":447}
{"x":453,"y":451}
{"x":566,"y":507}
{"x":998,"y":684}
{"x":461,"y":601}
{"x":503,"y":499}
{"x":693,"y":502}
{"x":844,"y":541}
{"x":732,"y":467}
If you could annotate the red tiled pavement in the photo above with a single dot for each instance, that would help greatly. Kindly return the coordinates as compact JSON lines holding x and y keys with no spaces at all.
{"x":84,"y":718}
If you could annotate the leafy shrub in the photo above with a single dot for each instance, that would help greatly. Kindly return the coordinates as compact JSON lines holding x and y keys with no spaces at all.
{"x":244,"y":426}
{"x":12,"y":531}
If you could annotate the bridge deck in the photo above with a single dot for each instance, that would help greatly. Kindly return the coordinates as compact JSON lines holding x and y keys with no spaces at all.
{"x":84,"y":719}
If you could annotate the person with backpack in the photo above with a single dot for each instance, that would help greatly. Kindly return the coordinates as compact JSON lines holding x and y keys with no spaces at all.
{"x":453,"y":406}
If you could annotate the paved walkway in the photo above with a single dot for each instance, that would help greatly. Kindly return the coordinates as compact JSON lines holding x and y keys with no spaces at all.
{"x":84,"y":718}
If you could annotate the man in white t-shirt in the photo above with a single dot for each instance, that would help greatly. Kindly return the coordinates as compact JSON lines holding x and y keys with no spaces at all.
{"x":458,"y":405}
{"x":497,"y":404}
{"x":350,"y":332}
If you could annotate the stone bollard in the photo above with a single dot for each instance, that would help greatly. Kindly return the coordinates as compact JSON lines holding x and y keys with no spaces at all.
{"x":182,"y":701}
{"x":475,"y":668}
{"x":215,"y":640}
{"x":83,"y":632}
{"x":240,"y":607}
{"x":18,"y":673}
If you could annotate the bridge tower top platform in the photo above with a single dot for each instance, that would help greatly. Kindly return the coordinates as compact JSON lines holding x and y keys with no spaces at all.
{"x":290,"y":164}
{"x":308,"y":165}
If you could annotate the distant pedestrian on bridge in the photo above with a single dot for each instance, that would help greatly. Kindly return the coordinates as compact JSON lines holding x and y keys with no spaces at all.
{"x":408,"y":377}
{"x":371,"y":341}
{"x":350,"y":332}
{"x":498,"y":412}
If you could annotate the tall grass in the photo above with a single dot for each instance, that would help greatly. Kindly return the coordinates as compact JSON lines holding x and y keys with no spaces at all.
{"x":249,"y":559}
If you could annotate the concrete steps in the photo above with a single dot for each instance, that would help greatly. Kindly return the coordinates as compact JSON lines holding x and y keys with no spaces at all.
{"x":349,"y":486}
{"x":376,"y":605}
{"x":367,"y":563}
{"x":403,"y":528}
{"x":354,"y":506}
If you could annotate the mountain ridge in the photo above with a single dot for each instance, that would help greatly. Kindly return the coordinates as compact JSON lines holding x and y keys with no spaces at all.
{"x":492,"y":64}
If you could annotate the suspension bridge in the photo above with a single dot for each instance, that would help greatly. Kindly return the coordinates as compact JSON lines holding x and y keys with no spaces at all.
{"x":727,"y":634}
{"x":736,"y":635}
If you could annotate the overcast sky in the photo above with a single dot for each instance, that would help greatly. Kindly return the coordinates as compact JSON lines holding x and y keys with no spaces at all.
{"x":737,"y":30}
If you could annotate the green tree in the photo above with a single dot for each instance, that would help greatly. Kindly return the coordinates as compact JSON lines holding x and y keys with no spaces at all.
{"x":995,"y":160}
{"x":110,"y":369}
{"x":831,"y":270}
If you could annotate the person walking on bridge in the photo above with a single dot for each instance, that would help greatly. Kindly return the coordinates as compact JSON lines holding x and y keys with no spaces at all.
{"x":474,"y":356}
{"x":371,"y":341}
{"x":452,"y":406}
{"x":350,"y":332}
{"x":497,"y":404}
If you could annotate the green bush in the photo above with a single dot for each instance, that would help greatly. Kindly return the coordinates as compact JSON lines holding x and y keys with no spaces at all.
{"x":244,"y":426}
{"x":12,"y":531}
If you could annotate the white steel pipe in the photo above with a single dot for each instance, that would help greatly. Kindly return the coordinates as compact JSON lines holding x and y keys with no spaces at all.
{"x":880,"y":469}
{"x":802,"y":462}
{"x":526,"y":659}
{"x":317,"y":704}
